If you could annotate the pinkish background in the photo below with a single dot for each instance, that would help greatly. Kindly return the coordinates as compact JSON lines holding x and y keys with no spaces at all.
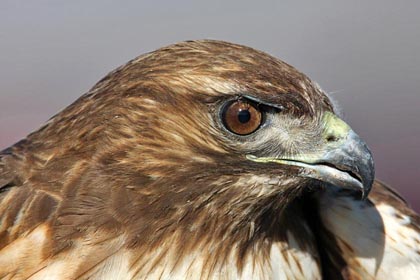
{"x":367,"y":53}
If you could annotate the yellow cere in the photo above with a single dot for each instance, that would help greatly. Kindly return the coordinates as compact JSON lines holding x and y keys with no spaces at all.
{"x":334,"y":126}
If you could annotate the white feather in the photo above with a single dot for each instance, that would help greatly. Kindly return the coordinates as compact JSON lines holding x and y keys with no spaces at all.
{"x":384,"y":245}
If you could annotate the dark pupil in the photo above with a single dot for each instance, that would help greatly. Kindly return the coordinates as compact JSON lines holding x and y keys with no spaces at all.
{"x":244,"y":116}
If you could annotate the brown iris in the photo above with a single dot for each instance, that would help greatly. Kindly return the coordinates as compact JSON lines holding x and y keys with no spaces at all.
{"x":241,"y":117}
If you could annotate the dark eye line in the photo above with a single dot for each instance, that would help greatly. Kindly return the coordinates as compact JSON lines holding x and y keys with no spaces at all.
{"x":261,"y":103}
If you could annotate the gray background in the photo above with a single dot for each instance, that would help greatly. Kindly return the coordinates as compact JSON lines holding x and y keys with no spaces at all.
{"x":365,"y":52}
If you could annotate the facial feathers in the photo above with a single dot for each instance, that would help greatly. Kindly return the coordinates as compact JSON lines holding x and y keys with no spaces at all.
{"x":201,"y":160}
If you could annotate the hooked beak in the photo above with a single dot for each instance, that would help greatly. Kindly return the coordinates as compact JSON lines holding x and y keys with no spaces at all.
{"x":343,"y":160}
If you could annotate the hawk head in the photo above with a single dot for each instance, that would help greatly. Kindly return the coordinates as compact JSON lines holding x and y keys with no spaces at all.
{"x":216,"y":112}
{"x":201,"y":144}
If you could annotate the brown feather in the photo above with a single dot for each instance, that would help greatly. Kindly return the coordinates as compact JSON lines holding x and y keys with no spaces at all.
{"x":138,"y":179}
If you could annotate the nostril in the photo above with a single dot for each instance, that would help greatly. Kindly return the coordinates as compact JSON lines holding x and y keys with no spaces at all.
{"x":332,"y":138}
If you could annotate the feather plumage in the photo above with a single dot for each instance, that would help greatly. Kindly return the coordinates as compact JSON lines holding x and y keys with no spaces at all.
{"x":138,"y":179}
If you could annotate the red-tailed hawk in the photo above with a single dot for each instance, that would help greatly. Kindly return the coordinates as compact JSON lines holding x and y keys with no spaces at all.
{"x":201,"y":160}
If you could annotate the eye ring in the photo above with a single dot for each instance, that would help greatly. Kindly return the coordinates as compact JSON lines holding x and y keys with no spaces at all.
{"x":241,"y":117}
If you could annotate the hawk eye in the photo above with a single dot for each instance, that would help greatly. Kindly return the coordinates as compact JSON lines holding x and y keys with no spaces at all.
{"x":241,"y":117}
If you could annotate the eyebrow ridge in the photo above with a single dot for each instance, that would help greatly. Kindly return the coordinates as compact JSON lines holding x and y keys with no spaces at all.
{"x":260,"y":101}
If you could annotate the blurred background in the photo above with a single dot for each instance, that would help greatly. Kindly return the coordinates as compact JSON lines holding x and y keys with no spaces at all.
{"x":365,"y":53}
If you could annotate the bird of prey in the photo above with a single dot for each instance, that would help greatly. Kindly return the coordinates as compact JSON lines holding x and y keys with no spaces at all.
{"x":201,"y":160}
